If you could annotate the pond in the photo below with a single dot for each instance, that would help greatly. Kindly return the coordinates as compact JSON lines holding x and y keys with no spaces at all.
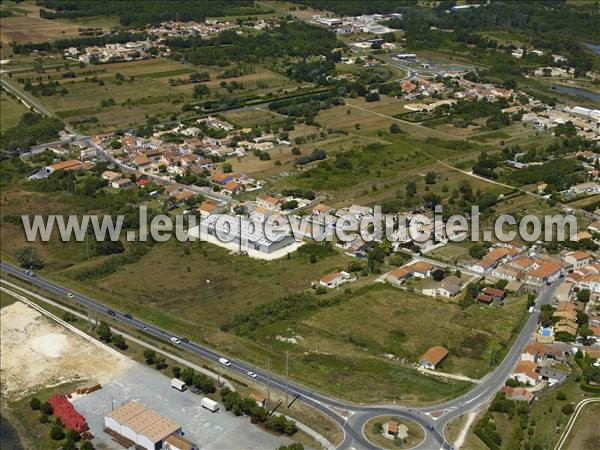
{"x":9,"y":440}
{"x":577,"y":91}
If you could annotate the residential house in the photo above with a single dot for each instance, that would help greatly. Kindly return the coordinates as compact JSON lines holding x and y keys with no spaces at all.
{"x":321,"y":211}
{"x":110,"y":176}
{"x":182,"y":196}
{"x":449,"y":287}
{"x":518,"y":394}
{"x":545,"y":273}
{"x":400,"y":274}
{"x":496,"y":294}
{"x":483,"y":298}
{"x":224,"y":178}
{"x":590,"y":187}
{"x":207,"y":208}
{"x":335,"y":279}
{"x":142,"y":161}
{"x":566,"y":326}
{"x":433,"y":357}
{"x":71,"y":164}
{"x":268,"y":201}
{"x":553,"y":376}
{"x":122,"y":183}
{"x":422,"y":269}
{"x":232,"y":187}
{"x":577,"y":259}
{"x":525,"y":372}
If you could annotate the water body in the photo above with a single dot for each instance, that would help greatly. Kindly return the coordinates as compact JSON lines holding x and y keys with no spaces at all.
{"x":577,"y":91}
{"x":594,"y":47}
{"x":9,"y":440}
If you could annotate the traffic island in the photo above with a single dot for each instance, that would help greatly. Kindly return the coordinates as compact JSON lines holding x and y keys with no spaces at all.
{"x":391,"y":432}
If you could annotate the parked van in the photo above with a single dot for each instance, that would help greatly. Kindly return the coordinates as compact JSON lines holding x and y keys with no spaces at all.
{"x":176,"y":383}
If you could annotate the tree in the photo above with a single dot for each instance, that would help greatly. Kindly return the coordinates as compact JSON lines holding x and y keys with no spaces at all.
{"x":160,"y":362}
{"x":395,"y":128}
{"x":149,"y":356}
{"x":119,"y":342}
{"x":35,"y":404}
{"x":86,"y":445}
{"x":477,"y":251}
{"x":56,"y":432}
{"x":44,"y":418}
{"x":296,"y":151}
{"x":104,"y":332}
{"x":176,"y":371}
{"x":430,"y":178}
{"x":567,"y":409}
{"x":583,"y":295}
{"x":226,"y":167}
{"x":46,"y":408}
{"x":116,"y":144}
{"x":28,"y":258}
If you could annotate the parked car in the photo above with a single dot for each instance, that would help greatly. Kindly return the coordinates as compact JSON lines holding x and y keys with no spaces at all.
{"x":196,"y":390}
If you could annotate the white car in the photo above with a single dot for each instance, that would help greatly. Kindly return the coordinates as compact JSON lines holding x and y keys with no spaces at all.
{"x":70,"y":294}
{"x":174,"y":340}
{"x":251,"y":374}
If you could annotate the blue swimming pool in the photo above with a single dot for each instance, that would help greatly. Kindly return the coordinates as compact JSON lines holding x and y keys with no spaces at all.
{"x":546,"y":332}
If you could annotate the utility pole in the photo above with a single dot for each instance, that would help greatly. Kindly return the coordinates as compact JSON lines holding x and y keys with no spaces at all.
{"x":287,"y":361}
{"x":268,"y":382}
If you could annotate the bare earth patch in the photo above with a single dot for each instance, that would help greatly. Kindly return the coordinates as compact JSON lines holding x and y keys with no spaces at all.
{"x":35,"y":353}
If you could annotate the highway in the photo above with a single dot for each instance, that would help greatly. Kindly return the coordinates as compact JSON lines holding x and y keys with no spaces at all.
{"x":360,"y":413}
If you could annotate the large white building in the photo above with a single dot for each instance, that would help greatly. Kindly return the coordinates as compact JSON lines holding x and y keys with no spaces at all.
{"x":143,"y":426}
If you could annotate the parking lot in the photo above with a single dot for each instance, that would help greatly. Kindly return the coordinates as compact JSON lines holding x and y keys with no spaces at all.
{"x":221,"y":430}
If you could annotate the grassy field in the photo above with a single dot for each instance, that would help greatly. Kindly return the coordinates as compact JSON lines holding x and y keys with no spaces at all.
{"x":585,"y":435}
{"x":145,"y":92}
{"x":416,"y":434}
{"x":11,"y":111}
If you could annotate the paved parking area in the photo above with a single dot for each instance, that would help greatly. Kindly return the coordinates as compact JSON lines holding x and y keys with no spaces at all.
{"x":215,"y":431}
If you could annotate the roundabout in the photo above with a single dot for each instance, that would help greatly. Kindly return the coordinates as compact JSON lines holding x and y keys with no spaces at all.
{"x":393,"y":432}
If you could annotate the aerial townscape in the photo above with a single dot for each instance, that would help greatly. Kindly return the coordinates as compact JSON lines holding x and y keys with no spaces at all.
{"x":300,"y":224}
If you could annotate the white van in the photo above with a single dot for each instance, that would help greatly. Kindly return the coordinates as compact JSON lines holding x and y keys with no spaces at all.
{"x":224,"y":361}
{"x":178,"y":384}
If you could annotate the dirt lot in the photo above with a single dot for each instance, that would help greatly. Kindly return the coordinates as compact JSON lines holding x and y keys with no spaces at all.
{"x":37,"y":353}
{"x":34,"y":29}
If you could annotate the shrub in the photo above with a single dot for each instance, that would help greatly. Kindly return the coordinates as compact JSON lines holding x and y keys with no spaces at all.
{"x":35,"y":404}
{"x":567,"y":409}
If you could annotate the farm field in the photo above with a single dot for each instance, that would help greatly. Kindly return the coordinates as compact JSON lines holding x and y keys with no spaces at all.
{"x":584,"y":435}
{"x":11,"y":111}
{"x":144,"y":92}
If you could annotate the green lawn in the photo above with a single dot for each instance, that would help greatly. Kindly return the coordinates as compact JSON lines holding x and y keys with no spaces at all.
{"x":11,"y":111}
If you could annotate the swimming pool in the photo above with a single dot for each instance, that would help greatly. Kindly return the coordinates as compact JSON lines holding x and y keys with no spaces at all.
{"x":546,"y":332}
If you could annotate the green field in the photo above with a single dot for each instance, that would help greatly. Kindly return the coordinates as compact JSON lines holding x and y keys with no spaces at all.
{"x":145,"y":92}
{"x":11,"y":111}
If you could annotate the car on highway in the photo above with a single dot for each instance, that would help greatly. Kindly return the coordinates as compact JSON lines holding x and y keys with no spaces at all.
{"x":251,"y":374}
{"x":110,"y":312}
{"x":70,"y":294}
{"x":176,"y":341}
{"x":185,"y":340}
{"x":30,"y":273}
{"x":145,"y":328}
{"x":128,"y":316}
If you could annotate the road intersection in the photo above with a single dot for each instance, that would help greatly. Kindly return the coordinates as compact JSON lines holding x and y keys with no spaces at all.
{"x":351,"y":417}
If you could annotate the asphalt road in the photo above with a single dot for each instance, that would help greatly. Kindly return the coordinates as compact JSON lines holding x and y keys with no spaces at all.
{"x":353,"y":436}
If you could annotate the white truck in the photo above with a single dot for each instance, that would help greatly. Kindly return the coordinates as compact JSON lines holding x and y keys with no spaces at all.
{"x":178,"y":384}
{"x":209,"y":404}
{"x":224,"y":361}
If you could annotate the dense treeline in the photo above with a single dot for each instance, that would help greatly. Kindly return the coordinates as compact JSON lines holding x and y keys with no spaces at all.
{"x":357,"y":7}
{"x":306,"y":106}
{"x":294,"y":39}
{"x":31,"y":130}
{"x":87,"y":41}
{"x":139,"y":13}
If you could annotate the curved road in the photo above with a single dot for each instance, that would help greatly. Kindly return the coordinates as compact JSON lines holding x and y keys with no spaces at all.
{"x":433,"y":418}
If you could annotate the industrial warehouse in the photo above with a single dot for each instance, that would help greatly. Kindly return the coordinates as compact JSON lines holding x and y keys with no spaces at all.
{"x":134,"y":424}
